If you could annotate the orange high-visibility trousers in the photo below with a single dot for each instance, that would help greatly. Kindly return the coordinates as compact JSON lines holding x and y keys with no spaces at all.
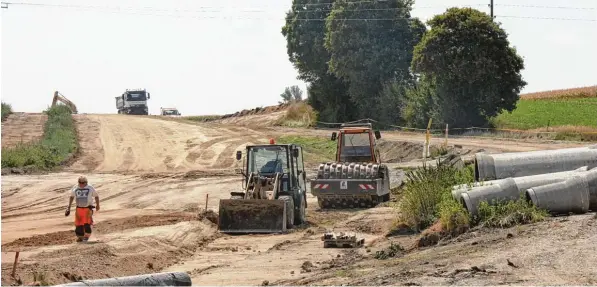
{"x":83,"y":221}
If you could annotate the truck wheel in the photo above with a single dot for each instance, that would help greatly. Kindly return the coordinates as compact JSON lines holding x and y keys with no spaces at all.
{"x":300,"y":215}
{"x":289,"y":210}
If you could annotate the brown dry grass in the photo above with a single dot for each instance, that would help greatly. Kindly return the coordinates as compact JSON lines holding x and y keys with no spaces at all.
{"x":573,"y":93}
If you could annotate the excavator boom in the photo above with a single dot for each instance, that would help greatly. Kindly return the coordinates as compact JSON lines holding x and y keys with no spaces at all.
{"x":60,"y":98}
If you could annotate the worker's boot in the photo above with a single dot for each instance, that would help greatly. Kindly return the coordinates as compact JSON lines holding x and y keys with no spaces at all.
{"x":79,"y":238}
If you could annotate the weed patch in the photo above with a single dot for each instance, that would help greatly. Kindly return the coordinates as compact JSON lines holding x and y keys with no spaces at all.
{"x":206,"y":118}
{"x":391,"y":251}
{"x":6,"y":111}
{"x":508,"y":214}
{"x":58,"y":144}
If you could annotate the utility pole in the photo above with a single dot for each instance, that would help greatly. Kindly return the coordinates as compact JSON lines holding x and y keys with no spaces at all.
{"x":491,"y":9}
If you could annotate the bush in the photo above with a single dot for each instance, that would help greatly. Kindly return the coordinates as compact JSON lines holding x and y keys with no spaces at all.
{"x":6,"y":111}
{"x":452,"y":215}
{"x":420,"y":204}
{"x":57,"y":145}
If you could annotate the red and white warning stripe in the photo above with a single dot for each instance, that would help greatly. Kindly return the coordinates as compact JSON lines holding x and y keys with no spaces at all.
{"x":321,"y":186}
{"x":366,"y":186}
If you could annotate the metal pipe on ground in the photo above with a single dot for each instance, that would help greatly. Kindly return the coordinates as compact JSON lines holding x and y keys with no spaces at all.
{"x":570,"y":196}
{"x":523,"y":182}
{"x":518,"y":164}
{"x":155,"y":279}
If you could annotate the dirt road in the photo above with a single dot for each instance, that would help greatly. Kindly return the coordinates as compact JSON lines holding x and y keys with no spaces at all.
{"x":153,"y":175}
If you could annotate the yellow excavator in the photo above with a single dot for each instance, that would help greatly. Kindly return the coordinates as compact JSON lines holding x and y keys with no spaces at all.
{"x":60,"y":98}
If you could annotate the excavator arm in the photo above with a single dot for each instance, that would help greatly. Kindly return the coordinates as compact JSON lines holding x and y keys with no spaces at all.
{"x":60,"y":98}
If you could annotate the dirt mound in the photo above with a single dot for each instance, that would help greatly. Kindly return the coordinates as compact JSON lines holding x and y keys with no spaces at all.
{"x":23,"y":128}
{"x":109,"y":226}
{"x":95,"y":261}
{"x":210,"y":215}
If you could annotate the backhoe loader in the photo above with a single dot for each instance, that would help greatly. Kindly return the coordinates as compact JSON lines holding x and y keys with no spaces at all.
{"x":274,"y":196}
{"x":60,"y":98}
{"x":357,"y":178}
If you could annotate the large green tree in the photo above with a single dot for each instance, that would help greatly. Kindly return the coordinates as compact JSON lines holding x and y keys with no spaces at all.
{"x":305,"y":35}
{"x":475,"y":72}
{"x":371,"y":46}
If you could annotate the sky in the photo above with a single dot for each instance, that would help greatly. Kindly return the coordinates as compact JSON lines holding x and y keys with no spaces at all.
{"x":222,"y":56}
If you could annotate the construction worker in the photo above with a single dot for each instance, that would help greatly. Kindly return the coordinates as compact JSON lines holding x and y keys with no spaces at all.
{"x":85,"y":194}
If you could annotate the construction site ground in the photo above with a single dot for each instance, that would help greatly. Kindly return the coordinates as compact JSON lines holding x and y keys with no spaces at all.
{"x":153,"y":176}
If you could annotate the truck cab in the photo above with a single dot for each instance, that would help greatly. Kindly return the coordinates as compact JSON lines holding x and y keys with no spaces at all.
{"x":133,"y":102}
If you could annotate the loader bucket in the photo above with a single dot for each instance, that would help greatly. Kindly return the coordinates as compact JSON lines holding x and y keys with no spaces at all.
{"x":252,"y":216}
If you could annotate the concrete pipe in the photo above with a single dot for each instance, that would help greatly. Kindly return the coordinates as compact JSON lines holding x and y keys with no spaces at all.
{"x":504,"y":165}
{"x":522,"y":183}
{"x":155,"y":279}
{"x":506,"y":190}
{"x":564,"y":197}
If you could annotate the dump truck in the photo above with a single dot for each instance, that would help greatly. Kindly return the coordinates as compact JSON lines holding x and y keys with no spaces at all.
{"x":133,"y":102}
{"x":357,"y":178}
{"x":274,"y":197}
{"x":169,"y":112}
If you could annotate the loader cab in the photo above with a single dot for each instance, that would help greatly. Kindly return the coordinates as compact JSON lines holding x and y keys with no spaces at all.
{"x":356,"y":143}
{"x":267,"y":160}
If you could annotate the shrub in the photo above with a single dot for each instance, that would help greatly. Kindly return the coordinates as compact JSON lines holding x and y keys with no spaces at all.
{"x":6,"y":111}
{"x":428,"y":187}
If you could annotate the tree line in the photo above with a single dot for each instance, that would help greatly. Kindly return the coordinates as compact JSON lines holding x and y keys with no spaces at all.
{"x":374,"y":60}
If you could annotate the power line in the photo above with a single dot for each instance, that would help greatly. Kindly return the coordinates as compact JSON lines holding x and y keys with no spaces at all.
{"x":122,"y":10}
{"x":300,"y":5}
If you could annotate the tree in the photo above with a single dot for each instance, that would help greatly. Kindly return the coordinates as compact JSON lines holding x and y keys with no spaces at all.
{"x":328,"y":95}
{"x":476,"y":74}
{"x":374,"y":54}
{"x":291,"y":94}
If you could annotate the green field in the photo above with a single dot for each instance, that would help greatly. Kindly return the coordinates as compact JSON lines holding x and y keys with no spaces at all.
{"x":315,"y":149}
{"x":537,"y":114}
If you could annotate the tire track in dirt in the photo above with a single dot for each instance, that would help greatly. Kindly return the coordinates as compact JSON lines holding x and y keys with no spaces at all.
{"x":143,"y":144}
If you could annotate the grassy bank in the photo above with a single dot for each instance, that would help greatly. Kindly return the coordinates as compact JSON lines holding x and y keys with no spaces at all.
{"x":316,"y":149}
{"x":6,"y":111}
{"x":299,"y":114}
{"x":429,"y":202}
{"x":58,"y":144}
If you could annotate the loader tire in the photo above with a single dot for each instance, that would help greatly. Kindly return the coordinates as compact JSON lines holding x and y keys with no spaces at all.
{"x":300,"y":215}
{"x":289,"y":210}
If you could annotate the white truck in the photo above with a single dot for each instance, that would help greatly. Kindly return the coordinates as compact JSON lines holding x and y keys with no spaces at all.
{"x":133,"y":102}
{"x":169,"y":112}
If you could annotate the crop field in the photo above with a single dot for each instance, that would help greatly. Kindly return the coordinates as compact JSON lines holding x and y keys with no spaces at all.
{"x":532,"y":114}
{"x":574,"y":93}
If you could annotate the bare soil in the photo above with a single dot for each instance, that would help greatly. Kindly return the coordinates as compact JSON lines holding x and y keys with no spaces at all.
{"x":23,"y":128}
{"x":154,"y":177}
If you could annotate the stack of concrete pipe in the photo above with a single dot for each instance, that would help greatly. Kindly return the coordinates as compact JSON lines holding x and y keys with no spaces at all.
{"x":560,"y":181}
{"x":517,"y":164}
